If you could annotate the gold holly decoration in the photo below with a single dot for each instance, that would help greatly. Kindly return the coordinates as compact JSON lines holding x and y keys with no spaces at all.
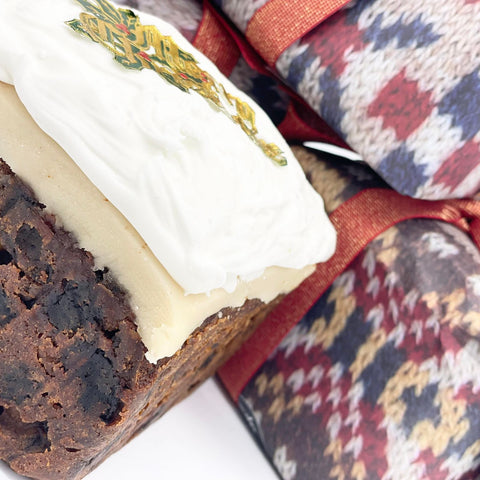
{"x":138,"y":46}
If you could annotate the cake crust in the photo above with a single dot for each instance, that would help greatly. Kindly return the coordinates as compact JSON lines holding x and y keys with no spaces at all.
{"x":74,"y":382}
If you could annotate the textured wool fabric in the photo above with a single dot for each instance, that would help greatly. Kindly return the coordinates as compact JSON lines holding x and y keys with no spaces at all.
{"x":380,"y":379}
{"x":398,"y":81}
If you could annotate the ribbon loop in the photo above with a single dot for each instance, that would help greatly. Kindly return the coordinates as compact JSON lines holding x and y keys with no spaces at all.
{"x":290,"y":19}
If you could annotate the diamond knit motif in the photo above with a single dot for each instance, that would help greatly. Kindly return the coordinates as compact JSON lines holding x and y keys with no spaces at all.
{"x":399,"y":82}
{"x":380,"y":378}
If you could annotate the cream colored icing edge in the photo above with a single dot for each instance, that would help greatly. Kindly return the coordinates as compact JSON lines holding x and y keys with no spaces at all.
{"x":165,"y":315}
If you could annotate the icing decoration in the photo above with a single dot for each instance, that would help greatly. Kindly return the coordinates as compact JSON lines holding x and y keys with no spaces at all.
{"x":214,"y":211}
{"x":138,"y":46}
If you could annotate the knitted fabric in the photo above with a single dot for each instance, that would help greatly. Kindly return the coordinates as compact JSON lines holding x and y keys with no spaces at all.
{"x":399,"y":82}
{"x":380,"y":379}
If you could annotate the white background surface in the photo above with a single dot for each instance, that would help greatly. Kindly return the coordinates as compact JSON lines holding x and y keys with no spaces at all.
{"x":202,"y":438}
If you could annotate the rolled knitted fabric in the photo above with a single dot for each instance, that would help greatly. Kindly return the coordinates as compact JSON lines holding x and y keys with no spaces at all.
{"x":398,"y":81}
{"x":377,"y":377}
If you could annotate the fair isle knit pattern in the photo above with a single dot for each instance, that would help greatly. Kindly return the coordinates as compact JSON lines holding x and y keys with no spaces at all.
{"x":381,"y":378}
{"x":399,"y":81}
{"x":373,"y":383}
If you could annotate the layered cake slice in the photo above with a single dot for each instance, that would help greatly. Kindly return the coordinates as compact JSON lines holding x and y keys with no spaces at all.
{"x":150,"y":216}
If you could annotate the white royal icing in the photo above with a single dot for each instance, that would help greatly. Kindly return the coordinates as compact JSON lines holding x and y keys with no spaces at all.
{"x":212,"y":207}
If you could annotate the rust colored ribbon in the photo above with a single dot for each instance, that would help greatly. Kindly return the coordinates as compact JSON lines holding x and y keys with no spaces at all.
{"x":279,"y":23}
{"x":224,"y":45}
{"x":214,"y":41}
{"x":294,"y":128}
{"x":357,"y":221}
